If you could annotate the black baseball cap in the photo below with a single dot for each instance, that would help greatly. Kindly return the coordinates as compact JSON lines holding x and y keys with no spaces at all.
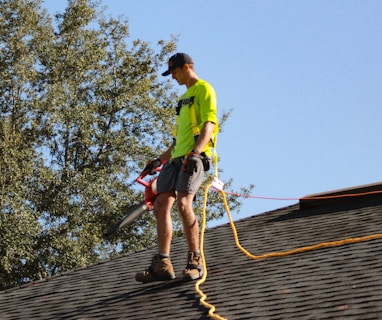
{"x":177,"y":60}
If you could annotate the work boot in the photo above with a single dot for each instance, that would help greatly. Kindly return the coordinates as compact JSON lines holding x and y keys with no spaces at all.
{"x":194,"y":268}
{"x":160,"y":270}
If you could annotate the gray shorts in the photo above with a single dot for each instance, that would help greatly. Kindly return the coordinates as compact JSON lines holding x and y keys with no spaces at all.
{"x":172,"y":177}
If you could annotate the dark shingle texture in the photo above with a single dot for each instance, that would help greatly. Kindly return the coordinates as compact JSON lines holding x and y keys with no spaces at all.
{"x":342,"y":282}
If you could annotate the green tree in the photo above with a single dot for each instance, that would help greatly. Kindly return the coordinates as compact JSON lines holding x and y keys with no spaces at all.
{"x":82,"y":111}
{"x":20,"y":25}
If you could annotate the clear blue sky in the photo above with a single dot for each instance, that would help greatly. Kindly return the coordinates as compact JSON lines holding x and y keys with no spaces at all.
{"x":303,"y":78}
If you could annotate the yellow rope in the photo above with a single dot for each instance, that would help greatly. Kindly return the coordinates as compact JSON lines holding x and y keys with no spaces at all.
{"x":203,"y":297}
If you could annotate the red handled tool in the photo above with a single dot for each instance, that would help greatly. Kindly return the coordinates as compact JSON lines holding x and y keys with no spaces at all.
{"x":137,"y":210}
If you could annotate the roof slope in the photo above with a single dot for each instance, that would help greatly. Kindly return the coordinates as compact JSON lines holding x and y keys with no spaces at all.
{"x":341,"y":282}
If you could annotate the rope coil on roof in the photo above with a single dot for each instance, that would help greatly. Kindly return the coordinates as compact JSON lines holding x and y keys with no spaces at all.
{"x":203,"y":297}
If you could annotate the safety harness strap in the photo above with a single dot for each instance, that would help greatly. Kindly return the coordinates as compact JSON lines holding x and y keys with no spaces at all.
{"x":195,"y":129}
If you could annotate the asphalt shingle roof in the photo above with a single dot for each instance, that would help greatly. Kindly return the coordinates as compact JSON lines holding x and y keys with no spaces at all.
{"x":341,"y":282}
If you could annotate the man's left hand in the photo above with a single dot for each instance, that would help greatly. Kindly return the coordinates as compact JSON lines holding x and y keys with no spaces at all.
{"x":191,"y":163}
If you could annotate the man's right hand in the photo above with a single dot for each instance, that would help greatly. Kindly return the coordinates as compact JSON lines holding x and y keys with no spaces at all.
{"x":152,"y":165}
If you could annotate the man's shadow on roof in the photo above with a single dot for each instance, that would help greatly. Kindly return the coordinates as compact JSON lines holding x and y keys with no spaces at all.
{"x":146,"y":289}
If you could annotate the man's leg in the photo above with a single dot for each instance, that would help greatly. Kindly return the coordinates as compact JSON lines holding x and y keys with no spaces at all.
{"x":162,"y":210}
{"x":194,"y":268}
{"x":190,"y":223}
{"x":187,"y":185}
{"x":161,"y":267}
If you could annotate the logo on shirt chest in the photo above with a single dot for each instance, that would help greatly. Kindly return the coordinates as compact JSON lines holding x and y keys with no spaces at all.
{"x":187,"y":101}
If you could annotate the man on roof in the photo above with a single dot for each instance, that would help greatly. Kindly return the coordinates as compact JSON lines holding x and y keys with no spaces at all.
{"x":185,"y":163}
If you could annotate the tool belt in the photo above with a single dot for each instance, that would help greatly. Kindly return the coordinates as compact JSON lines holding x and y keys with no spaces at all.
{"x":206,"y":161}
